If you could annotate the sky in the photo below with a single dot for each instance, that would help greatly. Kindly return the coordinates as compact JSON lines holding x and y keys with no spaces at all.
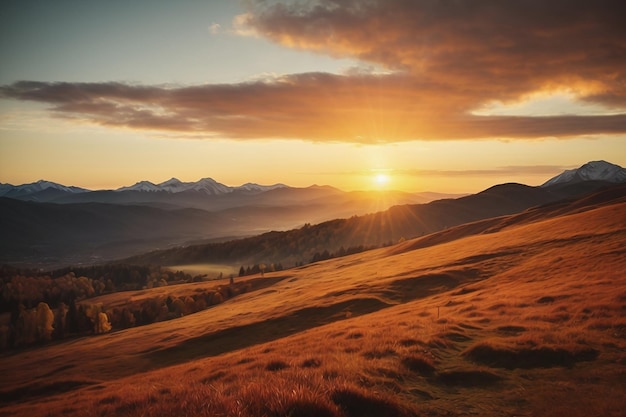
{"x":412,"y":95}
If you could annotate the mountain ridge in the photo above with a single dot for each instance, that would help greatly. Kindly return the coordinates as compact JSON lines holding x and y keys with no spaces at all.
{"x":341,"y":220}
{"x":173,"y":185}
{"x":373,"y":230}
{"x":48,"y":191}
{"x":205,"y":185}
{"x":591,"y":171}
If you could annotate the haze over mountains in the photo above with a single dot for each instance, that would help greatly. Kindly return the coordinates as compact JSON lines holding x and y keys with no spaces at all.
{"x":49,"y":224}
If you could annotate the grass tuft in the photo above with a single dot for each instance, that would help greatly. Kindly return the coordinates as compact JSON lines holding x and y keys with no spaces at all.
{"x":214,"y":377}
{"x":357,"y":404}
{"x":419,"y":364}
{"x":511,"y":329}
{"x":456,"y":337}
{"x":528,"y":357}
{"x":311,"y":363}
{"x":408,"y":342}
{"x":378,"y":354}
{"x":276,"y":365}
{"x":472,"y":378}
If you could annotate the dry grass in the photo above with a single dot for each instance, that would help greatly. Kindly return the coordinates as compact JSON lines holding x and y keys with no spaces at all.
{"x":526,"y":321}
{"x":529,"y":356}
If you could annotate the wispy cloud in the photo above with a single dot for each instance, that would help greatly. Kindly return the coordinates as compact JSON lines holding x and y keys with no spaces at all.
{"x":444,"y":60}
{"x":215,"y":28}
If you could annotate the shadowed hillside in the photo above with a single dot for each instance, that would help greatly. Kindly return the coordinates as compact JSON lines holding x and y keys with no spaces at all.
{"x":99,"y":226}
{"x":525,"y":319}
{"x":338,"y":237}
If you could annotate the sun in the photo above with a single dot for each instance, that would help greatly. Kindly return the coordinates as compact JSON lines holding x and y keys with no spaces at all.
{"x":381,"y":180}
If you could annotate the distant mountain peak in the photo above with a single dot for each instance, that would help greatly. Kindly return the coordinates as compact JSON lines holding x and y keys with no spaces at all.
{"x":205,"y":185}
{"x":9,"y":190}
{"x":591,"y":171}
{"x":172,"y":181}
{"x":254,"y":187}
{"x":146,"y":186}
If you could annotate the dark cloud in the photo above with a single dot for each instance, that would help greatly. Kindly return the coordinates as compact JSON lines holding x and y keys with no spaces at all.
{"x":316,"y":107}
{"x":445,"y":59}
{"x":507,"y":47}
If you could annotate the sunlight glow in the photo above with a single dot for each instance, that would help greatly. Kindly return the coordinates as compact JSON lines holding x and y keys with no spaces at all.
{"x":381,"y":180}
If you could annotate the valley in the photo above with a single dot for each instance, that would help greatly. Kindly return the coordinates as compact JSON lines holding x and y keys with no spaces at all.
{"x":518,"y":315}
{"x":47,"y":225}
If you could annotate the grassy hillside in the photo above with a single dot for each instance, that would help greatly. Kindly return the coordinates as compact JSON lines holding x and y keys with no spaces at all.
{"x":525,"y":317}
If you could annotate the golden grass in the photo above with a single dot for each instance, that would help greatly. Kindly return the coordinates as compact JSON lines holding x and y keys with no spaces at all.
{"x":526,"y":321}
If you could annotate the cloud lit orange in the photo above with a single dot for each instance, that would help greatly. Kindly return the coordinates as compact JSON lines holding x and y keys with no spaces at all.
{"x":444,"y":59}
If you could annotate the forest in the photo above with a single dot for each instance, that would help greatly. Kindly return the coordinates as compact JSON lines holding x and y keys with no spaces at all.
{"x":38,"y":308}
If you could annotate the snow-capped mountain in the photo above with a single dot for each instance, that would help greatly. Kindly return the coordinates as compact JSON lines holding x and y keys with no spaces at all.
{"x":10,"y":190}
{"x":146,"y":186}
{"x":210,"y":186}
{"x":257,"y":188}
{"x":205,"y":185}
{"x":591,"y":171}
{"x":47,"y":191}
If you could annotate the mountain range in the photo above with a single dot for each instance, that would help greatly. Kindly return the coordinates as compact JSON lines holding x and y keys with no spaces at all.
{"x":47,"y":224}
{"x":174,"y":185}
{"x":47,"y":191}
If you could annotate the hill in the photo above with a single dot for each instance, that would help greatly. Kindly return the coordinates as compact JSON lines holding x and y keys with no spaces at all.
{"x":341,"y":236}
{"x":49,"y":225}
{"x":525,"y":318}
{"x":88,"y":227}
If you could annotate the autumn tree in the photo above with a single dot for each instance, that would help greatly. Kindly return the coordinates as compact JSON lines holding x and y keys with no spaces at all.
{"x":102,"y":324}
{"x":45,"y":322}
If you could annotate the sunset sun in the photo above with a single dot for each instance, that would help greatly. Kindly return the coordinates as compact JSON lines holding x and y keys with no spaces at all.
{"x":381,"y":180}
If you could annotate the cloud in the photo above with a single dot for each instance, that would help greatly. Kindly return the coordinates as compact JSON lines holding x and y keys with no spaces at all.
{"x":215,"y":28}
{"x":443,"y":60}
{"x":241,"y":27}
{"x":531,"y":44}
{"x":313,"y":106}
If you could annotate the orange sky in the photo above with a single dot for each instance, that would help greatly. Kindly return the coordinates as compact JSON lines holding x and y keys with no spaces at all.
{"x":442,"y":96}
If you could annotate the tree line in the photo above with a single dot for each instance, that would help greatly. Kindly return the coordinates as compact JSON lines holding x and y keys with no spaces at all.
{"x":293,"y":247}
{"x":42,"y":324}
{"x":29,"y":287}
